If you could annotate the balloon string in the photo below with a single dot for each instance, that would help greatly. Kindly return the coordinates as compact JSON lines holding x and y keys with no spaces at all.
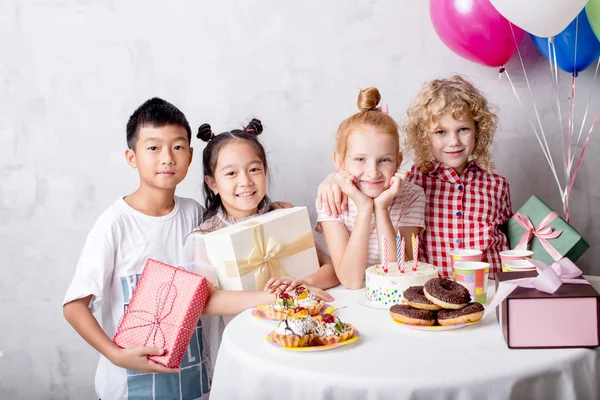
{"x":572,"y":99}
{"x":587,"y":107}
{"x":585,"y":144}
{"x":544,"y":145}
{"x":554,"y":76}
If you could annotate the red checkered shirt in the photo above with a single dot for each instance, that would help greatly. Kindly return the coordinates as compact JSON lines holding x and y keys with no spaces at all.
{"x":463,"y":212}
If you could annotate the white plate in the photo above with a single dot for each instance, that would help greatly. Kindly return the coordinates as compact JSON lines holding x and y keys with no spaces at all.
{"x":362,"y":300}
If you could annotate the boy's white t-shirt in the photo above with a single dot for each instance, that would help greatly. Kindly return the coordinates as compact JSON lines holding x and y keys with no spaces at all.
{"x":109,"y":268}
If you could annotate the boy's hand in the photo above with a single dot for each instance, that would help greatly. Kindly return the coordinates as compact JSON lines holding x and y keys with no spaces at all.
{"x":387,"y":196}
{"x":281,"y":204}
{"x":136,"y":359}
{"x":331,"y":197}
{"x":347,"y":183}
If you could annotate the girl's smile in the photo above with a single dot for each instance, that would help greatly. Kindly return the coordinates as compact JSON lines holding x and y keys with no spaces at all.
{"x":246,"y":195}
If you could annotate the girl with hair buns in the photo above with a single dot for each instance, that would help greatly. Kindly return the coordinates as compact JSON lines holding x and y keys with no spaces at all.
{"x":380,"y":202}
{"x":235,"y":189}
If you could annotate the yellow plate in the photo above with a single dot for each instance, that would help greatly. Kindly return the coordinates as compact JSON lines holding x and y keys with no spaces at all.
{"x":315,"y":348}
{"x":435,"y":327}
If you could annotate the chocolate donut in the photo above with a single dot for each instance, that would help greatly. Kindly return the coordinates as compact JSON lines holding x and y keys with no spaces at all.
{"x":415,"y":297}
{"x":409,"y":315}
{"x":446,"y":293}
{"x":471,"y":313}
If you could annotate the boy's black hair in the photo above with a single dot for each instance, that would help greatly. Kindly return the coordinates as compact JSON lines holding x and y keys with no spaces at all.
{"x":155,"y":112}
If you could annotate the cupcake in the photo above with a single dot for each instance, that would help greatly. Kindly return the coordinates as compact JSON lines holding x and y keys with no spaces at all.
{"x":285,"y":303}
{"x":295,"y":330}
{"x":305,"y":299}
{"x":282,"y":307}
{"x":330,"y":330}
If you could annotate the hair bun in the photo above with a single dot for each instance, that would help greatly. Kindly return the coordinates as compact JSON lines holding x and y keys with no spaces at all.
{"x":205,"y":133}
{"x":254,"y":127}
{"x":368,"y":99}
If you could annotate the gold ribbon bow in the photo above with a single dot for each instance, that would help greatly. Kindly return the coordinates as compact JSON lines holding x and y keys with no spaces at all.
{"x":265,"y":255}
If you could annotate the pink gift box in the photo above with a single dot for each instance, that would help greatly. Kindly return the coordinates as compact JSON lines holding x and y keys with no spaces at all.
{"x":532,"y":319}
{"x":163,"y":311}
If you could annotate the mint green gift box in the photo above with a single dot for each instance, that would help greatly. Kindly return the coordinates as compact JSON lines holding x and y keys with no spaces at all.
{"x":569,"y":244}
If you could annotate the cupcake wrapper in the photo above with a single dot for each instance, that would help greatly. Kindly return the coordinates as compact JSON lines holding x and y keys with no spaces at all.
{"x":337,"y":339}
{"x":272,"y":313}
{"x":314,"y":310}
{"x":291,"y":340}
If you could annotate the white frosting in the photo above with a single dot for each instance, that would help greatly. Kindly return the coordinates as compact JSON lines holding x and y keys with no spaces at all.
{"x":293,"y":302}
{"x":307,"y":302}
{"x":299,"y":326}
{"x":284,"y":304}
{"x":387,"y":288}
{"x":329,"y":329}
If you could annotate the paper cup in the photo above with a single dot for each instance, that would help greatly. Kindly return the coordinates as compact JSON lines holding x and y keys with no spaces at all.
{"x":474,"y":276}
{"x":465,"y":255}
{"x":513,"y":255}
{"x":518,"y":266}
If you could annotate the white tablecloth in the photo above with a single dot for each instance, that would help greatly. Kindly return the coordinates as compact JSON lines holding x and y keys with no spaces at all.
{"x":391,"y":361}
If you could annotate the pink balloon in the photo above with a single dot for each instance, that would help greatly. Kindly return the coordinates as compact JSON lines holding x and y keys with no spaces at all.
{"x":473,"y":29}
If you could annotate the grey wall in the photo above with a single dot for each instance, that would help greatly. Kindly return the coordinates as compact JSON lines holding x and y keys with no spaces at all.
{"x":71,"y":72}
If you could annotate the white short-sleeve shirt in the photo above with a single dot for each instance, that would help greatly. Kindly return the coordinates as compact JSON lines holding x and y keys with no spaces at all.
{"x":109,"y":268}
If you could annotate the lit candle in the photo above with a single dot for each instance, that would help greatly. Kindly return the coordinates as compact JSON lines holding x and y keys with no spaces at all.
{"x":415,"y":249}
{"x":384,"y":255}
{"x":402,"y":252}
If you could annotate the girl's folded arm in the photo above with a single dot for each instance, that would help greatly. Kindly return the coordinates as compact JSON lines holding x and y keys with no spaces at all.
{"x":349,"y":253}
{"x":323,"y":278}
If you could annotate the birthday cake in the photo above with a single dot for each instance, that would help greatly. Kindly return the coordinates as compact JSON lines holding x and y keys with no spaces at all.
{"x":386,"y":288}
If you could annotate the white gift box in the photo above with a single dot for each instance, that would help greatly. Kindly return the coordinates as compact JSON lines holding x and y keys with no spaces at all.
{"x":278,"y":243}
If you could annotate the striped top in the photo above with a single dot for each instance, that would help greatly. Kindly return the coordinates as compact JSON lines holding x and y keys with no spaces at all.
{"x":407,"y":209}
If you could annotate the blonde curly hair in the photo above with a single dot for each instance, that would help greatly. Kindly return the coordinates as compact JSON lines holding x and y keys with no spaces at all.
{"x":368,"y":115}
{"x":459,"y":97}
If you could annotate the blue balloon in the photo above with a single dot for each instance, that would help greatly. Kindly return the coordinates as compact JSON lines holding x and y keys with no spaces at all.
{"x":588,"y":46}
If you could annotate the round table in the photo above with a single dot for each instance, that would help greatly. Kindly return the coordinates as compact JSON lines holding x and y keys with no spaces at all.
{"x":392,"y":361}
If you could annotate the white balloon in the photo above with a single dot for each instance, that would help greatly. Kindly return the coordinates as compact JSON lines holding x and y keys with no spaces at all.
{"x":544,"y":18}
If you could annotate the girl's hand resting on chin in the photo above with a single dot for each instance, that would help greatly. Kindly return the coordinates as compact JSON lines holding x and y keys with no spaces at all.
{"x":385,"y":199}
{"x":348,"y":184}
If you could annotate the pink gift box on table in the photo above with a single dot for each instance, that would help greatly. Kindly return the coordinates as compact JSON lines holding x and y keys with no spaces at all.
{"x":531,"y":318}
{"x":163,"y":312}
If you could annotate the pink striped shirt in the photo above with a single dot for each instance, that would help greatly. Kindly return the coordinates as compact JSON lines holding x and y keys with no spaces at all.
{"x":407,"y":209}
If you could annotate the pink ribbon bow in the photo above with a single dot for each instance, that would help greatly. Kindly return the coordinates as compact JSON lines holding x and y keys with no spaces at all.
{"x":383,"y":108}
{"x":549,"y":279}
{"x":543,"y":232}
